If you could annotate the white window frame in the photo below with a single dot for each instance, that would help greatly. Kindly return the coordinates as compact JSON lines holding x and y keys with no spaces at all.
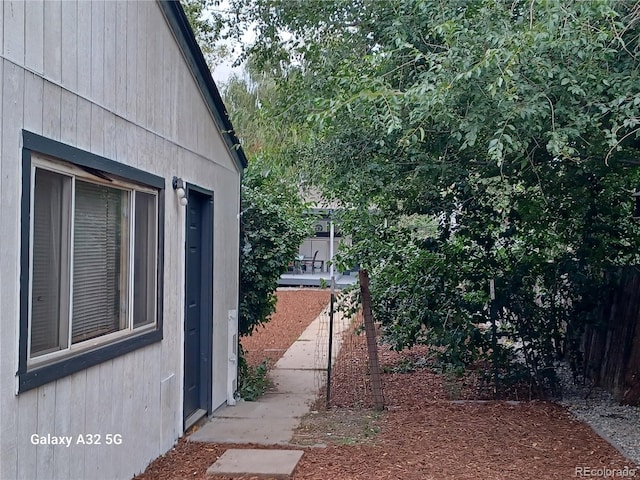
{"x":39,"y":161}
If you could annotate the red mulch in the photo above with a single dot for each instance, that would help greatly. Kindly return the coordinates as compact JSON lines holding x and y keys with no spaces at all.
{"x":422,"y":435}
{"x":295,"y":310}
{"x":440,"y":440}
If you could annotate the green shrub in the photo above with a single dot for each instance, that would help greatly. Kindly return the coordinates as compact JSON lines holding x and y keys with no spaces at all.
{"x":253,"y":381}
{"x":272,"y":229}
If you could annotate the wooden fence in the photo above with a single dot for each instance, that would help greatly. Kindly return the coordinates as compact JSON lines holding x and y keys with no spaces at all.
{"x":612,"y":348}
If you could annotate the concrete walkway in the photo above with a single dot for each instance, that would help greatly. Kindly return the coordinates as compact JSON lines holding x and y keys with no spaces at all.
{"x":297,"y":377}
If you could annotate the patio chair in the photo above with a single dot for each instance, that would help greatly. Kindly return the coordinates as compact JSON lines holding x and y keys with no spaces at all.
{"x":312,"y":262}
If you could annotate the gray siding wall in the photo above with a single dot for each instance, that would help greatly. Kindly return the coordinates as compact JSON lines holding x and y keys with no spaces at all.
{"x":108,"y":77}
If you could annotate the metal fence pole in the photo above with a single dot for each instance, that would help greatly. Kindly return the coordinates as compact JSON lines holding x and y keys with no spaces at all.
{"x":330,"y":349}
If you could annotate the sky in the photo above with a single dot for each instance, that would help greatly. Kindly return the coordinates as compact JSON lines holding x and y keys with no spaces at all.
{"x":225,"y":70}
{"x":222,"y":72}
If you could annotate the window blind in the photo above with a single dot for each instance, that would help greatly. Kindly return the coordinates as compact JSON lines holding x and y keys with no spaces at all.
{"x":99,"y":259}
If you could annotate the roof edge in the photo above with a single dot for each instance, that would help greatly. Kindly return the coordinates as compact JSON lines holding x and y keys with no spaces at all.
{"x":179,"y":24}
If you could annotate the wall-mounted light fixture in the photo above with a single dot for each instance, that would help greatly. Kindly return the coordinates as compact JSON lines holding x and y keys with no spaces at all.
{"x":181,"y":192}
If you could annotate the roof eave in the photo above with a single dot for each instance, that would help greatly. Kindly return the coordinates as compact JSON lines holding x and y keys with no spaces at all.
{"x":186,"y":40}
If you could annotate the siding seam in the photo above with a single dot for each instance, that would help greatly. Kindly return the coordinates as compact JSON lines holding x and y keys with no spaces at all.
{"x":117,"y":115}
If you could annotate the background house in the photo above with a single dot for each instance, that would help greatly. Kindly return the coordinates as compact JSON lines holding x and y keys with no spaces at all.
{"x":314,"y":264}
{"x":318,"y":247}
{"x":118,"y":300}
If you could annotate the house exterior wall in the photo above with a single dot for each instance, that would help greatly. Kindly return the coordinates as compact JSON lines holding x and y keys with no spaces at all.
{"x":109,"y":78}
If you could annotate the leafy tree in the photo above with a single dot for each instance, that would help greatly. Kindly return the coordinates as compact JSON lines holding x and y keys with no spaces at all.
{"x":273,"y":224}
{"x":272,"y":221}
{"x":513,"y":125}
{"x":273,"y":227}
{"x":207,"y":26}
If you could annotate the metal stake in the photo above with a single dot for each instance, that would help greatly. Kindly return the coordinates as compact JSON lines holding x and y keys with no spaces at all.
{"x":331,"y":310}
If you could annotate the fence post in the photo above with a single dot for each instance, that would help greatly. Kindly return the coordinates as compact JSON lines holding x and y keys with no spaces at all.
{"x":372,"y":347}
{"x":330,"y":349}
{"x":494,"y":337}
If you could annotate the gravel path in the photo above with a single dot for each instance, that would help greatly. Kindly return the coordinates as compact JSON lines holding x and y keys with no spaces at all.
{"x":618,"y":424}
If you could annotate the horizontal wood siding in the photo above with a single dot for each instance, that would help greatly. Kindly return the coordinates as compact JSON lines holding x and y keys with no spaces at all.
{"x":108,"y":77}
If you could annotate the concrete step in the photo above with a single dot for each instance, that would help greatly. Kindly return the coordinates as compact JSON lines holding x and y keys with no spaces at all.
{"x":275,"y":431}
{"x":257,"y":463}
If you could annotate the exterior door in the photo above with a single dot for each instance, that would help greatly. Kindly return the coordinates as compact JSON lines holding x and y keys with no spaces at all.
{"x":198,"y":306}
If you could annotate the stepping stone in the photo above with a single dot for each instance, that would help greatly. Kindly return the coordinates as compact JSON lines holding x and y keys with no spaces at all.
{"x":255,"y":462}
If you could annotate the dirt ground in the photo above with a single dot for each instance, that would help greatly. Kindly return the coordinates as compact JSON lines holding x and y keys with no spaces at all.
{"x":421,"y":435}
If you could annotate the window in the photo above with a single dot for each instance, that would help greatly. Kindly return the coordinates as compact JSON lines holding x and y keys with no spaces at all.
{"x":92,"y":286}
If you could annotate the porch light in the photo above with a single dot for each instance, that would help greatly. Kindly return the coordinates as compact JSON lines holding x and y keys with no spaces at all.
{"x":181,"y":193}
